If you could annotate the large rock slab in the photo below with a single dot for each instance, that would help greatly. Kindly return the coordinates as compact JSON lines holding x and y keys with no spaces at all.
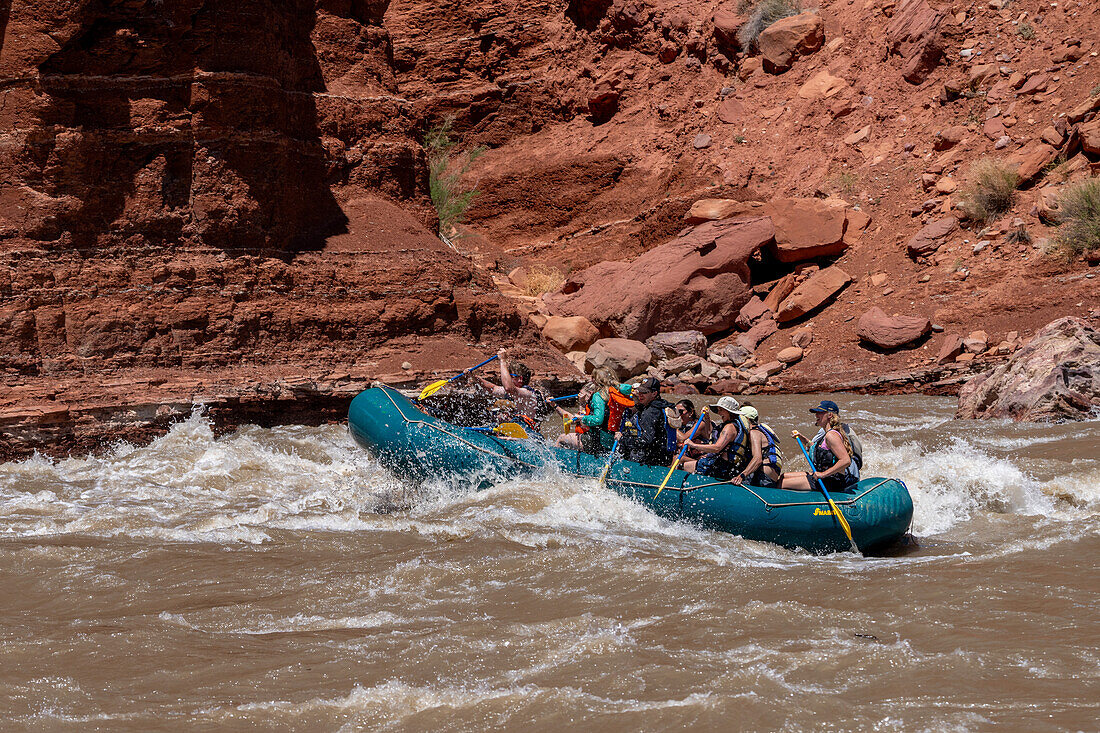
{"x":671,"y":344}
{"x":788,"y":38}
{"x":932,"y":237}
{"x":1054,"y":377}
{"x":697,"y":281}
{"x":807,"y":228}
{"x":914,"y":34}
{"x":890,"y":332}
{"x":705,"y":210}
{"x":570,"y":333}
{"x":626,"y":357}
{"x":812,"y":294}
{"x":751,"y":339}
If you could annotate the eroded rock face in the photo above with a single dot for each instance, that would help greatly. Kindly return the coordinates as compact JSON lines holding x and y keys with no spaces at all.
{"x":1054,"y":377}
{"x":699,"y":280}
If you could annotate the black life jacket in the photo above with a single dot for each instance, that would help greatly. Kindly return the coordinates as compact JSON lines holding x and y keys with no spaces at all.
{"x":739,"y":450}
{"x":825,"y":458}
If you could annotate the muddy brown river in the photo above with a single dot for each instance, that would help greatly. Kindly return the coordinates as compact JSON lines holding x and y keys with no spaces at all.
{"x":280,"y":579}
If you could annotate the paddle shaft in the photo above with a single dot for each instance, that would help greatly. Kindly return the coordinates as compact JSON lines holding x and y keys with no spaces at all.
{"x":435,"y":387}
{"x":610,"y":460}
{"x":835,"y":508}
{"x":563,"y":399}
{"x":680,"y":455}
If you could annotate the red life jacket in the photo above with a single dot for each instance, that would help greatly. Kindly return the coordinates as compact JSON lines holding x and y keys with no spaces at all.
{"x":616,"y":407}
{"x":578,"y":426}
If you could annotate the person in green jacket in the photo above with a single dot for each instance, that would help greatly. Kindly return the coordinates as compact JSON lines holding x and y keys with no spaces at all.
{"x":604,"y":403}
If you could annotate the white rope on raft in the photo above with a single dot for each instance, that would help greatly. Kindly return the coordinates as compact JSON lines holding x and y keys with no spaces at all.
{"x":475,"y":446}
{"x":505,"y":456}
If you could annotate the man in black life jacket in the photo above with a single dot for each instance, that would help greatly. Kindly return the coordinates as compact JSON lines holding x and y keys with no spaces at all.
{"x":644,"y":436}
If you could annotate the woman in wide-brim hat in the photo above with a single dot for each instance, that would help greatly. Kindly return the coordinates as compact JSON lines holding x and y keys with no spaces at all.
{"x":714,"y":458}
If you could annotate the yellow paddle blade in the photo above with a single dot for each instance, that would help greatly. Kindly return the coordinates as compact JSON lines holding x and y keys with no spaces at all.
{"x":667,"y":477}
{"x":510,"y":430}
{"x":843,"y":523}
{"x":432,"y":389}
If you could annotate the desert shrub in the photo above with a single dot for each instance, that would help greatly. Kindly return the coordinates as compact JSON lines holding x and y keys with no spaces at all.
{"x":1079,"y":211}
{"x":1019,"y":235}
{"x":543,"y":279}
{"x":990,"y":190}
{"x":444,"y":176}
{"x":760,"y":14}
{"x":1025,"y":31}
{"x":845,"y":182}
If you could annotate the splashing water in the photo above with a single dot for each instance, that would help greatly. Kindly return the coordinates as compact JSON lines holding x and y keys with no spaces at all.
{"x":281,"y":578}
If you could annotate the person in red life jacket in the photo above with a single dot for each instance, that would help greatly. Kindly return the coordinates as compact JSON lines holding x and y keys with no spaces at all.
{"x":515,"y":379}
{"x":766,"y":459}
{"x":593,"y":432}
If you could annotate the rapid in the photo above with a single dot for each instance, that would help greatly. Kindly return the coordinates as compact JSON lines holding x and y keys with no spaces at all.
{"x":281,"y":579}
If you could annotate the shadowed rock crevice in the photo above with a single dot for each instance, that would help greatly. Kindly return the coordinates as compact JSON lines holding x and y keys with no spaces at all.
{"x":181,"y":122}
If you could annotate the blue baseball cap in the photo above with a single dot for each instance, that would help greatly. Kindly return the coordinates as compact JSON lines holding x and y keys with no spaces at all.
{"x":827,"y":406}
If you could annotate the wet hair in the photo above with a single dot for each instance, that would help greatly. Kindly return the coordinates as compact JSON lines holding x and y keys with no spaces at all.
{"x":605,"y":380}
{"x":689,"y":405}
{"x":832,"y":422}
{"x":523,"y":372}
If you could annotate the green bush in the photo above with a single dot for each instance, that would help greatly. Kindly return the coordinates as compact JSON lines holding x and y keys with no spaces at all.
{"x":1025,"y":31}
{"x":990,"y":190}
{"x":761,"y":14}
{"x":1079,"y":211}
{"x":450,"y":201}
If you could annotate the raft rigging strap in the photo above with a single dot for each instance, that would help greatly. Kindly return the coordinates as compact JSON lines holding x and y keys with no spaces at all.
{"x":511,"y":457}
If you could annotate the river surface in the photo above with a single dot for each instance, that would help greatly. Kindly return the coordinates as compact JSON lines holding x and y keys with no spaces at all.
{"x":280,"y":579}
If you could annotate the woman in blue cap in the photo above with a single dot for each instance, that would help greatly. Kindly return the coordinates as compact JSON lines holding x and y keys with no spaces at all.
{"x":831,"y":451}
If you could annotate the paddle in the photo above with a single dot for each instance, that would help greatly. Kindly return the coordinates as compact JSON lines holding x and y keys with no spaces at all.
{"x":507,"y":429}
{"x":610,"y":460}
{"x":436,"y":386}
{"x":680,"y":455}
{"x":821,"y":484}
{"x":563,"y":399}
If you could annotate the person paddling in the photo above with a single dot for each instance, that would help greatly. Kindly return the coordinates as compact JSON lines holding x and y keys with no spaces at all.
{"x":766,"y":459}
{"x":685,"y":413}
{"x":835,"y":461}
{"x":604,"y":407}
{"x":729,"y":453}
{"x":514,"y":381}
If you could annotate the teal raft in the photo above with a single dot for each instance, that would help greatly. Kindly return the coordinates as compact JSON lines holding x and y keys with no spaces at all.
{"x":419,"y":447}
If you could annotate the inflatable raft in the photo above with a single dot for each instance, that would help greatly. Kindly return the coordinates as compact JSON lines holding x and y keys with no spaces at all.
{"x":419,"y":447}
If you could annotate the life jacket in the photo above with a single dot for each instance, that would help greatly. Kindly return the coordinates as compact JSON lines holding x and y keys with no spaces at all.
{"x":739,"y":450}
{"x":773,"y":456}
{"x":617,"y":405}
{"x":825,"y":458}
{"x":578,"y":426}
{"x":857,"y":445}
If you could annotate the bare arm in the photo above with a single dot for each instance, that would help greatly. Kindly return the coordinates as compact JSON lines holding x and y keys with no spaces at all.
{"x":843,"y":460}
{"x":756,"y":440}
{"x":506,"y":375}
{"x":724,"y":438}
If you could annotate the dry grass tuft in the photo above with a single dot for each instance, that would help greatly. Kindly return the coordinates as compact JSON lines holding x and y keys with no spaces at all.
{"x":1079,"y":210}
{"x":761,"y":14}
{"x":990,"y":190}
{"x":543,"y":279}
